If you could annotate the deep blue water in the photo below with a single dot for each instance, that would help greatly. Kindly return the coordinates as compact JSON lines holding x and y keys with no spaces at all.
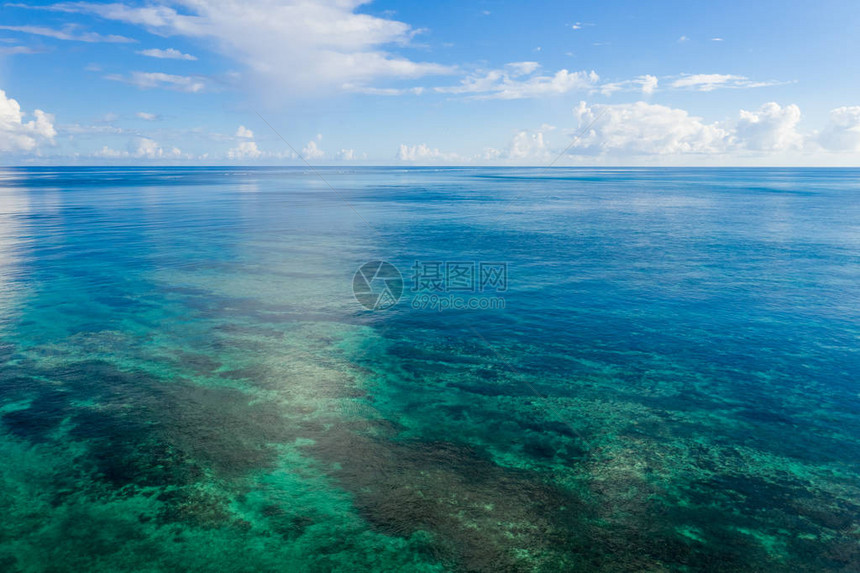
{"x":666,"y":380}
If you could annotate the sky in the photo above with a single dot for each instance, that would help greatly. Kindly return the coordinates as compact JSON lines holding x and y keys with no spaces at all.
{"x":386,"y":82}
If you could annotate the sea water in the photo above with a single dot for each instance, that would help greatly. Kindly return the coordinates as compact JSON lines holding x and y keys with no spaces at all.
{"x":650,"y":370}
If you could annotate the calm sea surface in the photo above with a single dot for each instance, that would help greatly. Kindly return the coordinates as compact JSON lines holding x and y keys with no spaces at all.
{"x":650,"y":370}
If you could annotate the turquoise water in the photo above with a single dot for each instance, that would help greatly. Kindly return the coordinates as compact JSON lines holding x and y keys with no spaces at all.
{"x":187,"y":382}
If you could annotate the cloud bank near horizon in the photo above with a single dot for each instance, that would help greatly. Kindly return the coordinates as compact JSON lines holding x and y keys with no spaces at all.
{"x":180,"y":81}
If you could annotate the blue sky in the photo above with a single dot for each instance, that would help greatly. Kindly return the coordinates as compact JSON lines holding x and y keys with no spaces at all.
{"x":391,"y":82}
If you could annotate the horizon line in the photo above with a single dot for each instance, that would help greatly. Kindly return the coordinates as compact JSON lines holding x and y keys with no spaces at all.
{"x":422,"y":166}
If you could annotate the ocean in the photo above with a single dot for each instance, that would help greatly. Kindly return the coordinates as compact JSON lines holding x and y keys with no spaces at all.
{"x":454,"y":369}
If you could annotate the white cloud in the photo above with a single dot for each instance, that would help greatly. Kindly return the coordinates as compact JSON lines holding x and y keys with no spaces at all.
{"x":771,"y":128}
{"x":247,"y":147}
{"x":312,"y":150}
{"x":717,"y":40}
{"x":577,"y":26}
{"x":350,"y":155}
{"x":149,"y":149}
{"x":522,"y":68}
{"x":19,"y":136}
{"x":519,"y":80}
{"x":168,"y":54}
{"x":68,"y":32}
{"x":245,"y":150}
{"x":146,"y":116}
{"x":141,"y":148}
{"x":423,"y":154}
{"x":509,"y":83}
{"x":110,"y":153}
{"x":843,"y":131}
{"x":529,"y":145}
{"x":289,"y":46}
{"x":705,"y":82}
{"x":710,"y":82}
{"x":647,"y":84}
{"x":149,"y":80}
{"x":683,"y":39}
{"x":643,"y":128}
{"x":491,"y":154}
{"x":644,"y":133}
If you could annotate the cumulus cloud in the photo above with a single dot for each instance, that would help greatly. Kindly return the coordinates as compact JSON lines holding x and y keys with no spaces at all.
{"x":142,"y":148}
{"x":289,"y":46}
{"x":771,"y":128}
{"x":423,"y":154}
{"x":648,"y":83}
{"x":68,"y":32}
{"x":643,"y":128}
{"x":110,"y":153}
{"x":518,"y":80}
{"x":168,"y":54}
{"x":16,"y":135}
{"x":526,"y":146}
{"x":843,"y":131}
{"x":647,"y":129}
{"x":149,"y":149}
{"x":650,"y":133}
{"x":149,"y":80}
{"x":247,"y":147}
{"x":245,"y":150}
{"x":312,"y":150}
{"x":146,"y":116}
{"x":350,"y":155}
